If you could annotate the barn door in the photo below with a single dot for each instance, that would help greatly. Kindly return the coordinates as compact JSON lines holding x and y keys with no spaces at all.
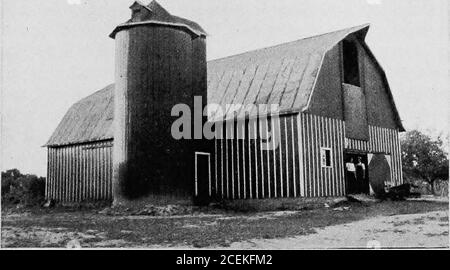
{"x":202,"y":178}
{"x":379,"y":173}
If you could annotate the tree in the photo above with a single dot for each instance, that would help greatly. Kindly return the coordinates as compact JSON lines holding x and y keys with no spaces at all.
{"x":424,"y":157}
{"x":21,"y":188}
{"x":8,"y":179}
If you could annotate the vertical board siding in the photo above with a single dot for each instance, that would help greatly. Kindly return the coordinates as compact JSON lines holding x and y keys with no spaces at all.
{"x":317,"y":132}
{"x":293,"y":169}
{"x":381,"y":140}
{"x":80,"y":172}
{"x":243,"y":168}
{"x":258,"y":172}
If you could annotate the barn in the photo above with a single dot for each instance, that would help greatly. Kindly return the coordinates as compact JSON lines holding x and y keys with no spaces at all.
{"x":333,"y":107}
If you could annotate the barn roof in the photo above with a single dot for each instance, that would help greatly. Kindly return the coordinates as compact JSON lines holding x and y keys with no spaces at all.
{"x":90,"y":119}
{"x":284,"y":75}
{"x":159,"y":15}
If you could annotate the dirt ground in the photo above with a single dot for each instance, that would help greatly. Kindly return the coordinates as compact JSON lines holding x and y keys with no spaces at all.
{"x":413,"y":223}
{"x":429,"y":230}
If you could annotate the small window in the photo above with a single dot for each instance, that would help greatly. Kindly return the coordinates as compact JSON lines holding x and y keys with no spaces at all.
{"x":351,"y":64}
{"x":325,"y":156}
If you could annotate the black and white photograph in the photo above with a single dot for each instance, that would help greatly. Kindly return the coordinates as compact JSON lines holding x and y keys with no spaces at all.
{"x":215,"y":125}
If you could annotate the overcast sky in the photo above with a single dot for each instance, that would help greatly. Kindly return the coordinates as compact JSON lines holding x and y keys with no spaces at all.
{"x":56,"y":52}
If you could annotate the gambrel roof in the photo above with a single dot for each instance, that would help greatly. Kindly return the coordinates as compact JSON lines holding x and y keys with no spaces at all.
{"x":88,"y":120}
{"x":284,"y":75}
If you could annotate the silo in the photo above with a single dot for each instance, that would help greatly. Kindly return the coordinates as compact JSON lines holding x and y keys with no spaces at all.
{"x":160,"y":62}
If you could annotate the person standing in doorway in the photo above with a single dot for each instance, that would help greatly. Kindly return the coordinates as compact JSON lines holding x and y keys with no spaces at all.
{"x":351,"y":176}
{"x":361,"y":176}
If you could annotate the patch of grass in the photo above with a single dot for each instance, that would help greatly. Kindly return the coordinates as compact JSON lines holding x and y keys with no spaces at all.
{"x":401,"y":223}
{"x":378,"y":231}
{"x":419,"y":221}
{"x":24,"y":243}
{"x":436,"y":234}
{"x":443,"y":219}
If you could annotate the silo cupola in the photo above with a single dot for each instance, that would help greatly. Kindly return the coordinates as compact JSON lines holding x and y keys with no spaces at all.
{"x":155,"y":14}
{"x":139,"y":12}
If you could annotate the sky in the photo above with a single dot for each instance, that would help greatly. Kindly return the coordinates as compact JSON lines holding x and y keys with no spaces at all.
{"x":55,"y":52}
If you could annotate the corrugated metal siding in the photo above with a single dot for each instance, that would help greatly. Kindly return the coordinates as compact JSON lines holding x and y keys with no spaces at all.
{"x":80,"y":172}
{"x":381,"y":140}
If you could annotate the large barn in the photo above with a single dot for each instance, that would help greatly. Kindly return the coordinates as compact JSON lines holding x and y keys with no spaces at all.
{"x":334,"y":107}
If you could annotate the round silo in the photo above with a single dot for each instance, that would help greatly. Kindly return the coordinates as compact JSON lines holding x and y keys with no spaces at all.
{"x":160,"y":62}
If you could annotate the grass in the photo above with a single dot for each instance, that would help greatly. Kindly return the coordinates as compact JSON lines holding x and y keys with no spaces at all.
{"x":195,"y":230}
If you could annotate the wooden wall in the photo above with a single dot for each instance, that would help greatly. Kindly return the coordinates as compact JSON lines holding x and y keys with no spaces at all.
{"x":241,"y":168}
{"x":244,"y":170}
{"x":380,"y":111}
{"x":157,"y":67}
{"x":356,"y":126}
{"x":317,"y":132}
{"x":327,"y":97}
{"x":80,"y":172}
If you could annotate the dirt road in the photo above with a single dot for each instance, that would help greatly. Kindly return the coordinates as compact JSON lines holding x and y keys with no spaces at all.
{"x":428,"y":230}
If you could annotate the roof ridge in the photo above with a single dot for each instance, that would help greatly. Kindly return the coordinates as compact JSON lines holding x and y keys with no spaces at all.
{"x":362,"y":26}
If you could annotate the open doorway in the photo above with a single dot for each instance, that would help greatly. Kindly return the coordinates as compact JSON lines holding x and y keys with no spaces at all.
{"x":356,"y":173}
{"x":202,"y":179}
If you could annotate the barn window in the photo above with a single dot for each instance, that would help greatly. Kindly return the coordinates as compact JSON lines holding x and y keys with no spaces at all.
{"x":325,"y":156}
{"x":351,"y":65}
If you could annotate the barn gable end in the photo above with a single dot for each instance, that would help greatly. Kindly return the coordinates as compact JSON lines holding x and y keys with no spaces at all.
{"x":381,"y":109}
{"x":370,"y":103}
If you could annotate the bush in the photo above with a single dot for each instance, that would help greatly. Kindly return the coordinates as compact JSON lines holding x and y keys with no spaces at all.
{"x":22,"y":189}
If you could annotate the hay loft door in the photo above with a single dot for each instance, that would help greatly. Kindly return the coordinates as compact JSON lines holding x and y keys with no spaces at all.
{"x":202,"y":178}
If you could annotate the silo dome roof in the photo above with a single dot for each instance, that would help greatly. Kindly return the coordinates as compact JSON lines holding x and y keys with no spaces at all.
{"x":154,"y":13}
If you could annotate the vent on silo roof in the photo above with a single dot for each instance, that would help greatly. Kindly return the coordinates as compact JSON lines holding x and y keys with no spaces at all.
{"x":154,"y":13}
